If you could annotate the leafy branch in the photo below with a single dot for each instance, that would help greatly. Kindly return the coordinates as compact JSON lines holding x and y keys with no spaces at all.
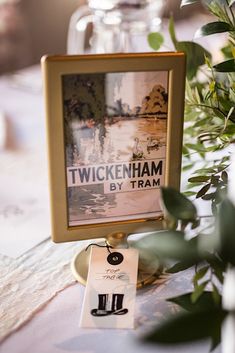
{"x":210,"y":98}
{"x":210,"y":253}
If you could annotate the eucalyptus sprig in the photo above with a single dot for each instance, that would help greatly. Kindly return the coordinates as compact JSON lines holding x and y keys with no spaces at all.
{"x":210,"y":252}
{"x":210,"y":101}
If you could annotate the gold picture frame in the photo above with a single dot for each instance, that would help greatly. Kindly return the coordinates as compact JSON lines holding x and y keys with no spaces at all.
{"x":79,"y":92}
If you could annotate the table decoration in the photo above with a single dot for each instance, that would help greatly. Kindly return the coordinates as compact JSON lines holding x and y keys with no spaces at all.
{"x":153,"y":293}
{"x":114,"y":127}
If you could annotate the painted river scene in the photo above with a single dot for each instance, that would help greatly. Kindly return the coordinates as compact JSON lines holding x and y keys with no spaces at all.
{"x":115,"y":127}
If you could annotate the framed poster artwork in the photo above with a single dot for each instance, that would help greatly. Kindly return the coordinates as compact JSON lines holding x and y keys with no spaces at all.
{"x":114,"y":126}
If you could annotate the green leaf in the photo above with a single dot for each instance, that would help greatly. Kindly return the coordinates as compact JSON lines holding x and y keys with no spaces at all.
{"x":215,"y":180}
{"x":209,"y":197}
{"x":227,"y":51}
{"x":231,"y":2}
{"x":219,"y":275}
{"x":188,"y":2}
{"x":187,"y":167}
{"x":202,"y":122}
{"x":199,"y":179}
{"x":171,"y":245}
{"x":232,"y":94}
{"x":226,"y":231}
{"x":212,"y":28}
{"x":205,"y":302}
{"x":216,"y":295}
{"x":185,"y":150}
{"x":189,"y":193}
{"x":195,"y":56}
{"x":196,"y":147}
{"x":198,"y":291}
{"x":222,"y":166}
{"x":218,"y":265}
{"x":230,"y":130}
{"x":195,"y":52}
{"x":215,"y":339}
{"x":187,"y":327}
{"x":177,"y":205}
{"x":155,"y":40}
{"x":200,"y":273}
{"x":181,"y":266}
{"x":189,"y":91}
{"x":205,"y":170}
{"x":224,"y":176}
{"x":226,"y":66}
{"x":171,"y":28}
{"x":203,"y":191}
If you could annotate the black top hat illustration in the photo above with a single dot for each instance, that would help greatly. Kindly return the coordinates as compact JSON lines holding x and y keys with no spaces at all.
{"x":103,"y":303}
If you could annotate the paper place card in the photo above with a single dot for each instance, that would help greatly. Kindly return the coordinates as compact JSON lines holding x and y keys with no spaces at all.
{"x":111,"y":289}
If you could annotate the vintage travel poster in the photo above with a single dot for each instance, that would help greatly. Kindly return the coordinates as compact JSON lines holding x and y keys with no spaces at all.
{"x":115,"y":127}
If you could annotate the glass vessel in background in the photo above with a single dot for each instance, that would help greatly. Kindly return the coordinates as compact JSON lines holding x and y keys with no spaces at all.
{"x":113,"y":26}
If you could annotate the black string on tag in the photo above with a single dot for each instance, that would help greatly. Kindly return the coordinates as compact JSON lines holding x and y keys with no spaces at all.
{"x":114,"y":258}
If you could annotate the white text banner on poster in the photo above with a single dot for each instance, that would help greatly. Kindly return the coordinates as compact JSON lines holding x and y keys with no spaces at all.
{"x":119,"y":177}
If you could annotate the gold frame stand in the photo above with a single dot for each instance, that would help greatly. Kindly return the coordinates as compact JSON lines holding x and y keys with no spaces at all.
{"x":149,"y":268}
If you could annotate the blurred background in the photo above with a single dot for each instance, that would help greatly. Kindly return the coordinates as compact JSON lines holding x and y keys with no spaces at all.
{"x":31,"y":28}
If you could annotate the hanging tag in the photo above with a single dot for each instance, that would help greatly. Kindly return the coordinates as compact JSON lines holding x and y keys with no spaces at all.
{"x":111,"y":289}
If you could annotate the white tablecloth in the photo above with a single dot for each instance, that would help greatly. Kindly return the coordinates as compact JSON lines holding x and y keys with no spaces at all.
{"x":55,"y":328}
